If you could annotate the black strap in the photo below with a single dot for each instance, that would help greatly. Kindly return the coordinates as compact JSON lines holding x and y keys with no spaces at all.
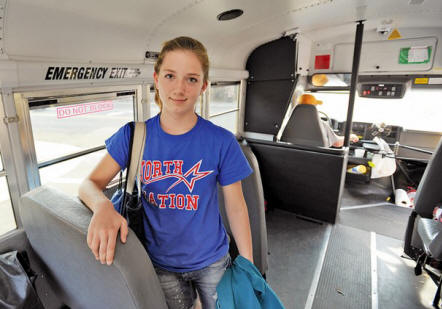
{"x":123,"y":202}
{"x":131,"y":142}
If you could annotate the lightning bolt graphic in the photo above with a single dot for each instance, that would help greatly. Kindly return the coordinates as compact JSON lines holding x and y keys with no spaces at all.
{"x":194,"y":170}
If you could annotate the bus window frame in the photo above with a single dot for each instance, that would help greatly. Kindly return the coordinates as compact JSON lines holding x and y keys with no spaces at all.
{"x":17,"y":141}
{"x":237,"y":109}
{"x":7,"y":136}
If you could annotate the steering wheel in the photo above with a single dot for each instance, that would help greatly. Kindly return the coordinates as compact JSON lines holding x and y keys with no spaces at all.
{"x":325,"y":117}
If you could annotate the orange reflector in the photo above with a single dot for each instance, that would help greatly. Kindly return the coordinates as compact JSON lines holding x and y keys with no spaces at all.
{"x":421,"y":81}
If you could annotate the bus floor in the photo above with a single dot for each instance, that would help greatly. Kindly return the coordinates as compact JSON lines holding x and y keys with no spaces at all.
{"x":355,"y":263}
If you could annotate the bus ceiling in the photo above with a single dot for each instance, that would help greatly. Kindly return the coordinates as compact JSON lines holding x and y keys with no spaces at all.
{"x":53,"y":44}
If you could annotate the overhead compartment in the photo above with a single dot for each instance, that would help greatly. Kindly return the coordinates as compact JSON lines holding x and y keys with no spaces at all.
{"x":404,"y":55}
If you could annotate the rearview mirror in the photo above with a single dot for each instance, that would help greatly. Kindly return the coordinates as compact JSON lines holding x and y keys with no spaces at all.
{"x":331,"y":80}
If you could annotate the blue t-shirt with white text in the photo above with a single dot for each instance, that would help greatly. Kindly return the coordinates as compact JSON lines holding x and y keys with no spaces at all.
{"x":179,"y":175}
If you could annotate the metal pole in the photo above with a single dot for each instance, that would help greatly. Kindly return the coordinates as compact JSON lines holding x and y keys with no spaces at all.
{"x":354,"y":80}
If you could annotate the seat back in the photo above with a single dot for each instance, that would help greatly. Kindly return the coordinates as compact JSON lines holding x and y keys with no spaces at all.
{"x":56,"y":225}
{"x":305,"y":128}
{"x":254,"y":197}
{"x":305,"y":180}
{"x":429,"y":192}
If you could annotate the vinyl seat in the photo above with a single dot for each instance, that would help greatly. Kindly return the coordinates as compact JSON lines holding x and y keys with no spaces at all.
{"x":305,"y":127}
{"x":56,"y":226}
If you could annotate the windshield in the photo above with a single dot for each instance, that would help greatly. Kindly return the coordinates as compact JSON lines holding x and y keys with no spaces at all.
{"x":419,"y":109}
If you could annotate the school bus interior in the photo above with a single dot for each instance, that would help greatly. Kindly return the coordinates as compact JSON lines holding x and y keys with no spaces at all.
{"x":72,"y":73}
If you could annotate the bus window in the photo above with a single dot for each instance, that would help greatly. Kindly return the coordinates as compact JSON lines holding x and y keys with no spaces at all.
{"x":418,"y":110}
{"x":154,"y":108}
{"x":224,"y":106}
{"x":334,"y":104}
{"x":68,"y":175}
{"x":7,"y":220}
{"x":199,"y":106}
{"x":78,"y":128}
{"x":66,"y":129}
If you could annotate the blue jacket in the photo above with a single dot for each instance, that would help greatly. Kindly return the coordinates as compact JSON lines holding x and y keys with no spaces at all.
{"x":242,"y":286}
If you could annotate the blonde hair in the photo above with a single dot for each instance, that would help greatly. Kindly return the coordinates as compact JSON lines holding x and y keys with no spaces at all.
{"x":182,"y":43}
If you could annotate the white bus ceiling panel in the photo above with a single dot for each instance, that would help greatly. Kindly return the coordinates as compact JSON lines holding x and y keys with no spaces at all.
{"x":98,"y":31}
{"x":398,"y":14}
{"x":121,"y":31}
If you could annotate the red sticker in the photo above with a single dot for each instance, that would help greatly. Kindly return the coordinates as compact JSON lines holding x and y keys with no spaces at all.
{"x":322,"y":62}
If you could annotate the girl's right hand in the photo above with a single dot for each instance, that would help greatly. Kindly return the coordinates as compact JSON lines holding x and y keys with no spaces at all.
{"x":103,"y":230}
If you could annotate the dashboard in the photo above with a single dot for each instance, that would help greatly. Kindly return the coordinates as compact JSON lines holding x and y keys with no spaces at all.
{"x":367,"y":131}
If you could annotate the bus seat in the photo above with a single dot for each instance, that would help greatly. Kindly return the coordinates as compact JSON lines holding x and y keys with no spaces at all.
{"x":305,"y":128}
{"x":254,"y":197}
{"x":429,"y":192}
{"x":56,"y":225}
{"x":429,"y":231}
{"x":292,"y":175}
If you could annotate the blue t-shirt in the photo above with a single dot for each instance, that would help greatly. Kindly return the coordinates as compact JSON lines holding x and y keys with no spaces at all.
{"x":179,"y":175}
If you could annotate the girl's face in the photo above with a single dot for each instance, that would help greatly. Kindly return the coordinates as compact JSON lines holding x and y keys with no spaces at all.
{"x":180,"y":82}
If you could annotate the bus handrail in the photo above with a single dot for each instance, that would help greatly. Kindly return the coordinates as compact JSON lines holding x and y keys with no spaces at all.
{"x":401,"y":146}
{"x":70,"y":156}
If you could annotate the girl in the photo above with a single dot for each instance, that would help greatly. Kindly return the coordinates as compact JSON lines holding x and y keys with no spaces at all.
{"x":184,"y":158}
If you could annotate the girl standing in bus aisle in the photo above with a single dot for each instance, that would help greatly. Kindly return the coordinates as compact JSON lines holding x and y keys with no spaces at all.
{"x":184,"y":159}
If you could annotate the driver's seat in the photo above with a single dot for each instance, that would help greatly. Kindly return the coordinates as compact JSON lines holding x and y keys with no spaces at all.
{"x":305,"y":127}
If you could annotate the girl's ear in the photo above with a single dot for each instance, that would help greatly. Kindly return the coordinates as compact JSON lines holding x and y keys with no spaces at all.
{"x":155,"y":79}
{"x":204,"y":87}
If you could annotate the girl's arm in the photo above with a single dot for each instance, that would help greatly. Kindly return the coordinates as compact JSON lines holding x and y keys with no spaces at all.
{"x":105,"y":222}
{"x":238,"y":217}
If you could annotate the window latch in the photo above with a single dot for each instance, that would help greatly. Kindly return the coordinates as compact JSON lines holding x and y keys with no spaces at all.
{"x":8,"y":120}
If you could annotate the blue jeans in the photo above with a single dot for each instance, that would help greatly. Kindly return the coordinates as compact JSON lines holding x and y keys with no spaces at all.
{"x":179,"y":288}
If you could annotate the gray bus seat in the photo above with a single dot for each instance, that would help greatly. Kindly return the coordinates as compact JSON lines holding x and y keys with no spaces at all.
{"x":429,"y":192}
{"x":428,"y":196}
{"x":56,"y":226}
{"x":292,"y":175}
{"x":430,"y":233}
{"x":254,"y":196}
{"x":305,"y":127}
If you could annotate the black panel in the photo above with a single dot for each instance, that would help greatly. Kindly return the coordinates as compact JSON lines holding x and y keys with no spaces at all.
{"x":266,"y":104}
{"x":306,"y":182}
{"x":381,"y":90}
{"x":273,"y":60}
{"x":270,"y":85}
